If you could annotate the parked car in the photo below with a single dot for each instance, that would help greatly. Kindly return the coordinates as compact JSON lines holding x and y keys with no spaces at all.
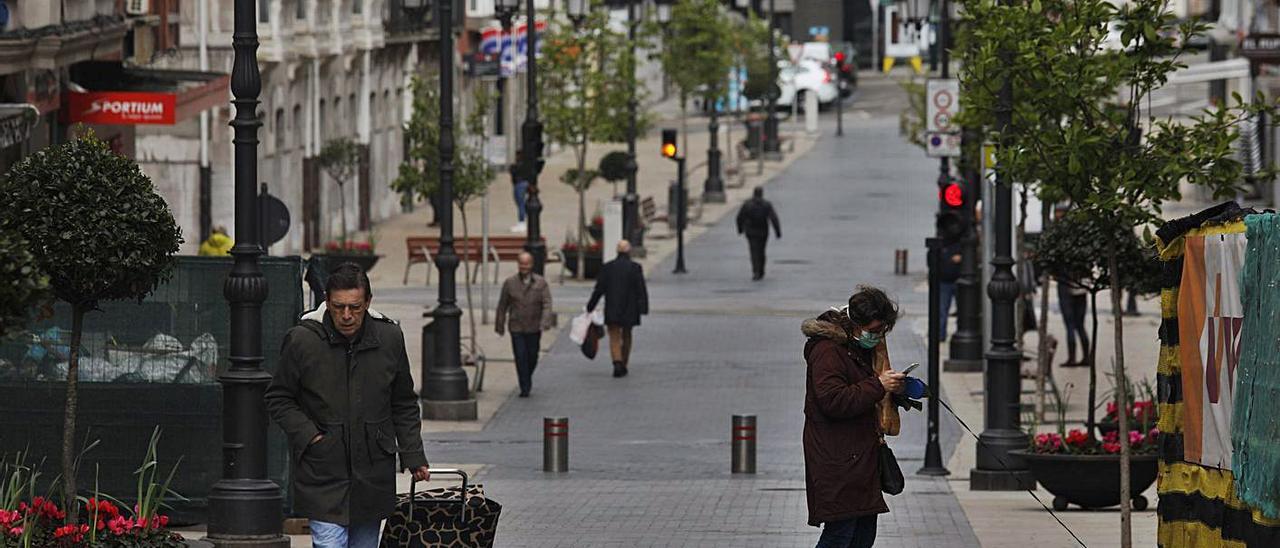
{"x":807,"y":76}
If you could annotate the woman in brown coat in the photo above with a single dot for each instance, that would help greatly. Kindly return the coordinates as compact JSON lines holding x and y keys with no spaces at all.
{"x":842,"y":428}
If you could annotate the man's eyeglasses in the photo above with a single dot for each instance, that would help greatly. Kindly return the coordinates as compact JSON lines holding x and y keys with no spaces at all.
{"x":352,"y":308}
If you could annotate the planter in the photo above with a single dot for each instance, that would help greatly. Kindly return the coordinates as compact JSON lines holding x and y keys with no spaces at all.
{"x":593,"y":262}
{"x":334,"y":259}
{"x":1090,"y":481}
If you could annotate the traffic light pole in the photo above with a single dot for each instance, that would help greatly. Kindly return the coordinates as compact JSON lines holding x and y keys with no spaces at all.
{"x":681,"y":215}
{"x":531,"y":135}
{"x":966,"y":344}
{"x":933,"y":449}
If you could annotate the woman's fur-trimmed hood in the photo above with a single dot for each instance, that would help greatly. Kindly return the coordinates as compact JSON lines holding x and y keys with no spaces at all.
{"x":831,"y":325}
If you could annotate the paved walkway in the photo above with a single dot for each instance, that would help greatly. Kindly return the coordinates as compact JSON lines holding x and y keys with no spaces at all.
{"x":649,"y":453}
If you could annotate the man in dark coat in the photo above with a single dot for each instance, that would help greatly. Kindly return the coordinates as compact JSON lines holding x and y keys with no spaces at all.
{"x":842,"y":426}
{"x":344,"y":397}
{"x":621,"y":283}
{"x":753,"y":220}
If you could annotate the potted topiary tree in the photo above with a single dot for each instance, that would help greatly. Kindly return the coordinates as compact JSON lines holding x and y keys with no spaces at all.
{"x":111,"y":236}
{"x":340,"y":158}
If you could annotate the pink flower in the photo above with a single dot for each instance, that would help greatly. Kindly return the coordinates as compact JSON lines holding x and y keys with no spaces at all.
{"x":1135,"y":438}
{"x":1112,"y":436}
{"x":8,"y":517}
{"x":15,"y":531}
{"x":120,"y":525}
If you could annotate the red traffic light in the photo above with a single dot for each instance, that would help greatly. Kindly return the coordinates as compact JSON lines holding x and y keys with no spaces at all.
{"x":953,"y":195}
{"x":839,"y":56}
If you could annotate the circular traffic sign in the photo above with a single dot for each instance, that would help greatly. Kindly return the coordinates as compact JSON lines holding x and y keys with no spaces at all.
{"x":943,"y":99}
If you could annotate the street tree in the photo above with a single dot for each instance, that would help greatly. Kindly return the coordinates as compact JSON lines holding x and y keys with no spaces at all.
{"x":340,"y":158}
{"x":1080,"y":129}
{"x":97,"y":228}
{"x":698,"y":54}
{"x":580,"y":100}
{"x":472,"y":174}
{"x":22,"y":285}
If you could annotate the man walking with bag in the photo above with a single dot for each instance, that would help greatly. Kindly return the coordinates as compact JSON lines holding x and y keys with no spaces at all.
{"x":524,"y":307}
{"x":754,"y":219}
{"x":621,"y":283}
{"x":344,"y":397}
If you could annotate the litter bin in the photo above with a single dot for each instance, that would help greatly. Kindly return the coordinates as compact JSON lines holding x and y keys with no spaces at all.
{"x":755,"y":134}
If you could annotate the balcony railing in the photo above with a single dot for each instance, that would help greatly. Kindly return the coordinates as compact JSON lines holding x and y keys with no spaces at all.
{"x":398,"y":18}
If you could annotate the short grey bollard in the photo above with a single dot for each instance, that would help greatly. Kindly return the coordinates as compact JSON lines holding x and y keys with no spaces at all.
{"x":555,"y":444}
{"x":900,"y":262}
{"x":744,"y":444}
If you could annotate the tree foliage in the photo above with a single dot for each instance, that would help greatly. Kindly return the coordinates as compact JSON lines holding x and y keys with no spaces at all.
{"x":340,"y":158}
{"x":419,"y":174}
{"x":699,"y":51}
{"x":752,"y":45}
{"x":97,"y":228}
{"x":581,"y":100}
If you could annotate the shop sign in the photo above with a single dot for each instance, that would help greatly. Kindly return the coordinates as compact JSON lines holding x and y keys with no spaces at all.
{"x":122,"y":108}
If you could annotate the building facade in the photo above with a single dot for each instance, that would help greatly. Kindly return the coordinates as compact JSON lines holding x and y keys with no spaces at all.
{"x":331,"y":69}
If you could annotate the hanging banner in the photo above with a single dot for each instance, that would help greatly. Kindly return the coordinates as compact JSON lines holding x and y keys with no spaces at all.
{"x":123,"y":108}
{"x":509,"y":49}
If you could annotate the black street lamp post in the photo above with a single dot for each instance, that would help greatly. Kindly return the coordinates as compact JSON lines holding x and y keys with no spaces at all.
{"x":713,"y":188}
{"x":772,"y":146}
{"x":531,"y":148}
{"x":966,"y":343}
{"x":445,"y":393}
{"x":507,"y":10}
{"x":245,"y":508}
{"x":631,"y":228}
{"x":997,"y":469}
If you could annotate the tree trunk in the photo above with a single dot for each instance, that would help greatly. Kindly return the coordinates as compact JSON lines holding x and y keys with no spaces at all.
{"x":684,"y":125}
{"x":1044,"y":365}
{"x":69,"y":415}
{"x":1092,"y":355}
{"x":1122,"y":404}
{"x":582,"y":211}
{"x":342,"y":213}
{"x":467,"y":266}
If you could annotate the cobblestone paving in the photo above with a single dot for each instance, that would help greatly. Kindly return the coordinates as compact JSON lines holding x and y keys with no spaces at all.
{"x":649,"y":454}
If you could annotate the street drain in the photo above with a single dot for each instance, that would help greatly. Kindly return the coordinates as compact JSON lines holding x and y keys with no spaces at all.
{"x":792,"y":261}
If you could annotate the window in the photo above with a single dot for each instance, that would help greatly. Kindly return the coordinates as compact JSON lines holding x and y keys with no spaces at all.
{"x":264,"y":11}
{"x":388,"y":109}
{"x":299,"y":130}
{"x":357,"y":6}
{"x":353,"y":115}
{"x":336,"y":130}
{"x":320,"y":129}
{"x":279,"y":131}
{"x":301,"y":13}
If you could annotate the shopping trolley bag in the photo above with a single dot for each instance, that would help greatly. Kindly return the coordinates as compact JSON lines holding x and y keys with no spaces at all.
{"x":442,"y":517}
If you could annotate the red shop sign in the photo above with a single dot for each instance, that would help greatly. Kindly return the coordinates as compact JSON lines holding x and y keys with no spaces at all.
{"x":122,"y":108}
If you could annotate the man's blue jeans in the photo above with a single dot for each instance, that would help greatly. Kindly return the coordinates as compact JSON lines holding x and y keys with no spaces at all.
{"x":332,"y":535}
{"x":946,"y":294}
{"x":521,"y":194}
{"x":858,"y":532}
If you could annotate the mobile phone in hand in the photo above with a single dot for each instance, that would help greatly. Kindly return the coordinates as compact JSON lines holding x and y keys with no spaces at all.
{"x":910,"y":368}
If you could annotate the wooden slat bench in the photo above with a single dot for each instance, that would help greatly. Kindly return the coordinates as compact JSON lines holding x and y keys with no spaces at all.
{"x":423,"y":249}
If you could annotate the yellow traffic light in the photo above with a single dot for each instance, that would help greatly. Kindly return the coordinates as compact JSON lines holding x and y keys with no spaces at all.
{"x":669,"y":149}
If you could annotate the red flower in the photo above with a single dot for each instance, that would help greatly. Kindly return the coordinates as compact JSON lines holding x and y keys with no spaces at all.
{"x":1111,"y":447}
{"x":1077,"y":438}
{"x":1111,"y":408}
{"x":73,"y":532}
{"x":598,"y":220}
{"x":15,"y":531}
{"x":1048,"y":443}
{"x":120,"y":525}
{"x":9,"y":517}
{"x":1112,"y":436}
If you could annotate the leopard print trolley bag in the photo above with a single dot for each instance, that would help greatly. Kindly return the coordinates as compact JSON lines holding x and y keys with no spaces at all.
{"x":449,"y":517}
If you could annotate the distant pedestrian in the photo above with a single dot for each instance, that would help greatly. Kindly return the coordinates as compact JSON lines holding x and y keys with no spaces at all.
{"x":621,"y":283}
{"x":218,"y":244}
{"x":520,"y":192}
{"x":344,"y":397}
{"x":525,"y":308}
{"x":948,"y":275}
{"x":754,"y":219}
{"x":1073,"y":301}
{"x":842,"y":432}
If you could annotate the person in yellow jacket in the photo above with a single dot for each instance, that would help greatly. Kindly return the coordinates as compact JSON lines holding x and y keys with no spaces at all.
{"x":218,"y":244}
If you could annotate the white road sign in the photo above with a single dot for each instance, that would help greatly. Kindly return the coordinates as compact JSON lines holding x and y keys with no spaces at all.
{"x":942,"y":99}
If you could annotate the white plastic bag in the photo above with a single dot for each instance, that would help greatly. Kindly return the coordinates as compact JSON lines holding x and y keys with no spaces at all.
{"x":578,"y":327}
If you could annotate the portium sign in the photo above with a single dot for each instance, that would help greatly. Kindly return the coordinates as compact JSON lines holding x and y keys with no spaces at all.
{"x":125,"y":108}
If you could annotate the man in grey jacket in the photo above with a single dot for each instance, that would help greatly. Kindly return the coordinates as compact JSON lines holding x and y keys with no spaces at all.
{"x":525,"y":308}
{"x":344,"y":397}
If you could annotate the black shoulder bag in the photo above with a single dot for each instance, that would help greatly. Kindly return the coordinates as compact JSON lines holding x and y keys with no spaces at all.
{"x":891,"y":479}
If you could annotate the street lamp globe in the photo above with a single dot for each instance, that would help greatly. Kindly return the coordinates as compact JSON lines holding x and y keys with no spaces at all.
{"x":577,"y":10}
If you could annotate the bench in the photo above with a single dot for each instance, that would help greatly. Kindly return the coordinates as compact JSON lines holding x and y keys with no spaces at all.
{"x":422,"y":250}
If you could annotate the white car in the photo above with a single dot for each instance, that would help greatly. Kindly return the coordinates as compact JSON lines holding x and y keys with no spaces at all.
{"x":807,"y":76}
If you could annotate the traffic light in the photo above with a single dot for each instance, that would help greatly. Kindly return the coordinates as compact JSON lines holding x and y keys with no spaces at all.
{"x":669,"y":149}
{"x":532,"y":149}
{"x":952,"y":222}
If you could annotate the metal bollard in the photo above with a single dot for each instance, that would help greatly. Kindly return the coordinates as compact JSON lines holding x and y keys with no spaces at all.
{"x":900,"y":262}
{"x":744,"y":444}
{"x":555,"y":444}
